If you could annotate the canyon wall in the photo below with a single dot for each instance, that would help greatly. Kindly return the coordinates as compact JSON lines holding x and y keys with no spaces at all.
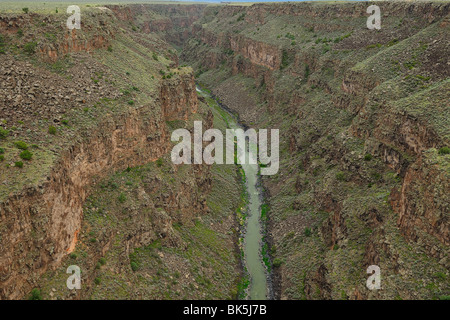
{"x":40,"y":224}
{"x":360,"y":117}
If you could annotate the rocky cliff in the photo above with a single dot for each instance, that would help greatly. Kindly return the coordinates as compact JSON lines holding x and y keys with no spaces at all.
{"x":101,"y":124}
{"x":360,"y":114}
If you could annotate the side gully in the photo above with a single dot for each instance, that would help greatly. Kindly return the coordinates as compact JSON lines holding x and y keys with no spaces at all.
{"x":253,"y":231}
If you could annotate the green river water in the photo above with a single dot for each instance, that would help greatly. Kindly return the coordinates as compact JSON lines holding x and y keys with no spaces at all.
{"x":258,"y":288}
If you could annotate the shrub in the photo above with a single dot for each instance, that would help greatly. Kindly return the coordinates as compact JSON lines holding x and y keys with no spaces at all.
{"x":2,"y":151}
{"x":30,"y":47}
{"x":290,"y":36}
{"x":122,"y":198}
{"x":18,"y":164}
{"x":97,"y":281}
{"x":21,"y":145}
{"x":159,"y":162}
{"x":26,"y":155}
{"x":35,"y":294}
{"x":73,"y":255}
{"x":102,"y":261}
{"x":444,"y":150}
{"x":284,"y":60}
{"x":2,"y":157}
{"x":368,"y":157}
{"x":155,"y":56}
{"x":25,"y":10}
{"x":307,"y":232}
{"x":52,"y":130}
{"x":241,"y":17}
{"x":3,"y":133}
{"x":277,"y":263}
{"x":110,"y":49}
{"x":131,"y":102}
{"x":340,"y":176}
{"x":134,"y":266}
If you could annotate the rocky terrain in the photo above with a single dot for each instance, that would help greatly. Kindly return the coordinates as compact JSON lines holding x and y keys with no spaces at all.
{"x":95,"y":128}
{"x":364,"y":149}
{"x":363,"y":115}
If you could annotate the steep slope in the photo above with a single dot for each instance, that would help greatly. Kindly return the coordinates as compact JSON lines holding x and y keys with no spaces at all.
{"x":364,"y":130}
{"x":85,"y":110}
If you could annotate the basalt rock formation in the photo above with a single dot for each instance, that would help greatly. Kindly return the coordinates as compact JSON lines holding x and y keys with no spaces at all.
{"x":364,"y":134}
{"x":364,"y":176}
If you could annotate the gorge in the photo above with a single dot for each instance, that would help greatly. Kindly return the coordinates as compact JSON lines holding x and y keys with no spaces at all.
{"x":364,"y":151}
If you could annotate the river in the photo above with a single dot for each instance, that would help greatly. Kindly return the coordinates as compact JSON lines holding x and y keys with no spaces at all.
{"x":258,"y":287}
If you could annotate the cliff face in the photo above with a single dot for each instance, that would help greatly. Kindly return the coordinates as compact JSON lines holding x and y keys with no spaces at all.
{"x":54,"y":42}
{"x":173,"y":22}
{"x":42,"y":223}
{"x":362,"y":134}
{"x":176,"y":106}
{"x":99,"y":131}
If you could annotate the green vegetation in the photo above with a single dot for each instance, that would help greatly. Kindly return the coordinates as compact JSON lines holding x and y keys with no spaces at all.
{"x":21,"y":145}
{"x":307,"y":232}
{"x":30,"y":47}
{"x":277,"y":262}
{"x":134,"y":266}
{"x":444,"y":150}
{"x":3,"y":133}
{"x":285,"y":60}
{"x":241,"y":17}
{"x":2,"y":44}
{"x":122,"y":198}
{"x":341,"y":176}
{"x":35,"y":294}
{"x":52,"y":130}
{"x":26,"y":155}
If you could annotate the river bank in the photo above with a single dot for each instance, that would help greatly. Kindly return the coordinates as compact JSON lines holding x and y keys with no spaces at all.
{"x":252,"y":230}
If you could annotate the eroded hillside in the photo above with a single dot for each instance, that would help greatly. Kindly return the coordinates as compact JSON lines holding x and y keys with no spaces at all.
{"x":364,"y":138}
{"x":93,"y":110}
{"x":363,"y":116}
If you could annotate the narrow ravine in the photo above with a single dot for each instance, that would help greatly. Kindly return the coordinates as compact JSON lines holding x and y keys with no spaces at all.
{"x":258,"y":288}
